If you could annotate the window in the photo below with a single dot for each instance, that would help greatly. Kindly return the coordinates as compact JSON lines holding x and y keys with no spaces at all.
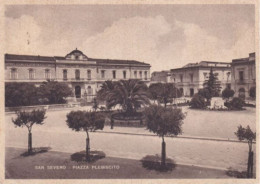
{"x":89,"y":90}
{"x":228,"y":74}
{"x":205,"y":75}
{"x":31,"y":73}
{"x":135,"y":74}
{"x":141,"y":74}
{"x":102,"y":74}
{"x":124,"y":74}
{"x":13,"y":73}
{"x":216,"y":75}
{"x":47,"y":74}
{"x":77,"y":74}
{"x":181,"y":91}
{"x":181,"y":77}
{"x":191,"y":77}
{"x":114,"y":74}
{"x":241,"y":75}
{"x":65,"y":75}
{"x":89,"y":74}
{"x":76,"y":57}
{"x":145,"y":75}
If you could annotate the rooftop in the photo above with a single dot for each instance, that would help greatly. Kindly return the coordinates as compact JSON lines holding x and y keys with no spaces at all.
{"x":251,"y":58}
{"x":31,"y":58}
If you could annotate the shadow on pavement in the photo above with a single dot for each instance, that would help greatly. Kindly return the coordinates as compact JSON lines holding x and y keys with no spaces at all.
{"x":81,"y":156}
{"x":153,"y":162}
{"x":36,"y":151}
{"x":235,"y":173}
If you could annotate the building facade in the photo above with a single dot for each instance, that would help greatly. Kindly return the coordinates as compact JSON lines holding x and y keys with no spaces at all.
{"x":84,"y":75}
{"x":162,"y":76}
{"x":190,"y":78}
{"x":243,"y":75}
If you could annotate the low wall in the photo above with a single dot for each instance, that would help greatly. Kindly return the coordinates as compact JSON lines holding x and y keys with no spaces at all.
{"x":46,"y":107}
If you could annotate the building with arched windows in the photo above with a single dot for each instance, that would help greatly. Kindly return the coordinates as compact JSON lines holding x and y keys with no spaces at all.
{"x":243,"y":75}
{"x":83,"y":74}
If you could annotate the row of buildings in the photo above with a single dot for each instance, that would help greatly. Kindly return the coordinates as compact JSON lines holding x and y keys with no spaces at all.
{"x":85,"y":75}
{"x":239,"y":75}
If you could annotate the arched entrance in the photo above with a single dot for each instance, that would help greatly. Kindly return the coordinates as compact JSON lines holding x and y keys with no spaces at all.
{"x":78,"y":92}
{"x":241,"y":93}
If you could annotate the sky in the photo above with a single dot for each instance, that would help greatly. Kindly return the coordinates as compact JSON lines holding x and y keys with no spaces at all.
{"x":165,"y":36}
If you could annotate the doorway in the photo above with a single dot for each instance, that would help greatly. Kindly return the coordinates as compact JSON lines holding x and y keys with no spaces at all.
{"x":78,"y":92}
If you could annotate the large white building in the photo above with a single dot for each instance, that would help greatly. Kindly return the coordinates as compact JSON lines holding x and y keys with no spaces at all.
{"x":83,"y":74}
{"x":243,"y":75}
{"x":190,"y":78}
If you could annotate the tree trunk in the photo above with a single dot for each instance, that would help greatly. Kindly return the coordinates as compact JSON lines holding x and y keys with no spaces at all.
{"x":250,"y":161}
{"x":250,"y":164}
{"x":112,"y":123}
{"x":29,"y":143}
{"x":163,"y":156}
{"x":87,"y":148}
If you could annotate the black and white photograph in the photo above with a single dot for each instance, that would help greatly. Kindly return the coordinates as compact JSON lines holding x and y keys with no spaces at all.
{"x":130,"y":91}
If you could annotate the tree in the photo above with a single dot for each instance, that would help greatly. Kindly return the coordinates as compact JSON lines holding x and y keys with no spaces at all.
{"x":198,"y":102}
{"x":227,"y":93}
{"x":20,"y":94}
{"x":164,"y":121}
{"x":164,"y":92}
{"x":154,"y":91}
{"x":28,"y":119}
{"x":85,"y":121}
{"x":54,"y":91}
{"x":252,"y":92}
{"x":250,"y":136}
{"x":212,"y":85}
{"x":205,"y":93}
{"x":237,"y":103}
{"x":105,"y":89}
{"x":130,"y":94}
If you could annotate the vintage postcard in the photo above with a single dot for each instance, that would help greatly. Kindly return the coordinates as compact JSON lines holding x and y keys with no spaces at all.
{"x":130,"y":92}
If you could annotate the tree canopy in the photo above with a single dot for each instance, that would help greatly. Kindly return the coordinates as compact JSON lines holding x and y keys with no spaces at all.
{"x":54,"y":91}
{"x":164,"y":92}
{"x":228,"y":93}
{"x":28,"y":119}
{"x":245,"y":134}
{"x":164,"y":121}
{"x":26,"y":94}
{"x":212,"y":85}
{"x":85,"y":121}
{"x":129,"y":94}
{"x":20,"y":94}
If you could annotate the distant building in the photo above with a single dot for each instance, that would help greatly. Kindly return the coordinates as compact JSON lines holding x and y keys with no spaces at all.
{"x":162,"y":76}
{"x":243,"y":75}
{"x":190,"y":78}
{"x":83,"y":74}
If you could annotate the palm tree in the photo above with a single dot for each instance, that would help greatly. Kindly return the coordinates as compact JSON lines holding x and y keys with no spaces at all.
{"x":130,"y":94}
{"x":106,"y":88}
